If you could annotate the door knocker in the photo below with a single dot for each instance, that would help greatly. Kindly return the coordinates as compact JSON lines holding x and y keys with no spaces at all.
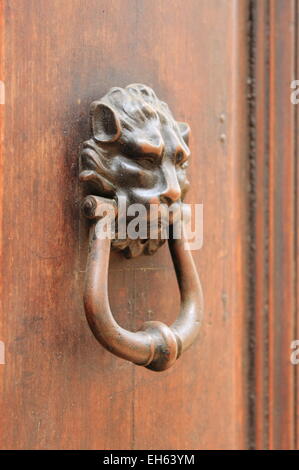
{"x":138,"y":154}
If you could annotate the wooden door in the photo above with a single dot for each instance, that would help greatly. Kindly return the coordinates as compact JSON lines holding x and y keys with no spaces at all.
{"x":59,"y":388}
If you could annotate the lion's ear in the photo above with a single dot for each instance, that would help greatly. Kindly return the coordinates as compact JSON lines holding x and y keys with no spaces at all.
{"x":105,"y":124}
{"x":185,"y":131}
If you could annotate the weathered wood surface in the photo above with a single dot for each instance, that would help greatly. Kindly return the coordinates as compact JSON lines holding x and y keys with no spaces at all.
{"x":60,"y":389}
{"x":276,"y":224}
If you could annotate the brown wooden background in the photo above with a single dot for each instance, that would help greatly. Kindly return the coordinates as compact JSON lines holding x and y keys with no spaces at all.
{"x":275,"y":401}
{"x":59,"y":388}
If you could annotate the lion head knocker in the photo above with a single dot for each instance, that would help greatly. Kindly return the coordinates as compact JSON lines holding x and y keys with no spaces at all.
{"x":137,"y":151}
{"x":138,"y":154}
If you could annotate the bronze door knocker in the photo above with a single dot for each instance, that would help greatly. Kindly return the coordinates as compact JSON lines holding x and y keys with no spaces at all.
{"x":139,"y":154}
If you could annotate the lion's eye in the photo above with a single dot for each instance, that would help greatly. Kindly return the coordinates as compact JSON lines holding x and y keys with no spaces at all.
{"x":147,"y":162}
{"x":179,"y":157}
{"x":181,"y":160}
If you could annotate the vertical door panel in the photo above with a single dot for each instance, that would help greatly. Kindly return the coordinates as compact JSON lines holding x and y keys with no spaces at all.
{"x":60,"y":388}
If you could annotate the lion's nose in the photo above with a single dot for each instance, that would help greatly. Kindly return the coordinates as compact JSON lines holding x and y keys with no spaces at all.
{"x":172,"y":191}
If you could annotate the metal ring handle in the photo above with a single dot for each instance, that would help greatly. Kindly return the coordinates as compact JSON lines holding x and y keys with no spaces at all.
{"x":155,"y":346}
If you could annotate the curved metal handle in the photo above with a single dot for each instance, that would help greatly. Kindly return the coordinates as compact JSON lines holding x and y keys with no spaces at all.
{"x":155,"y":346}
{"x":138,"y":153}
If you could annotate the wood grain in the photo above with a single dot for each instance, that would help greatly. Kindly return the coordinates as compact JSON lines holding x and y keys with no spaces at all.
{"x":296,"y":169}
{"x":60,"y":388}
{"x":276,"y":226}
{"x":2,"y":78}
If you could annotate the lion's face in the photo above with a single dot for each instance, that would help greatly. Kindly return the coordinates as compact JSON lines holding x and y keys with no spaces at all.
{"x":137,"y":151}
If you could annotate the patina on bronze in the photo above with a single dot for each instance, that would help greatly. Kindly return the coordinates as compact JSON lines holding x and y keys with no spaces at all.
{"x":137,"y":151}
